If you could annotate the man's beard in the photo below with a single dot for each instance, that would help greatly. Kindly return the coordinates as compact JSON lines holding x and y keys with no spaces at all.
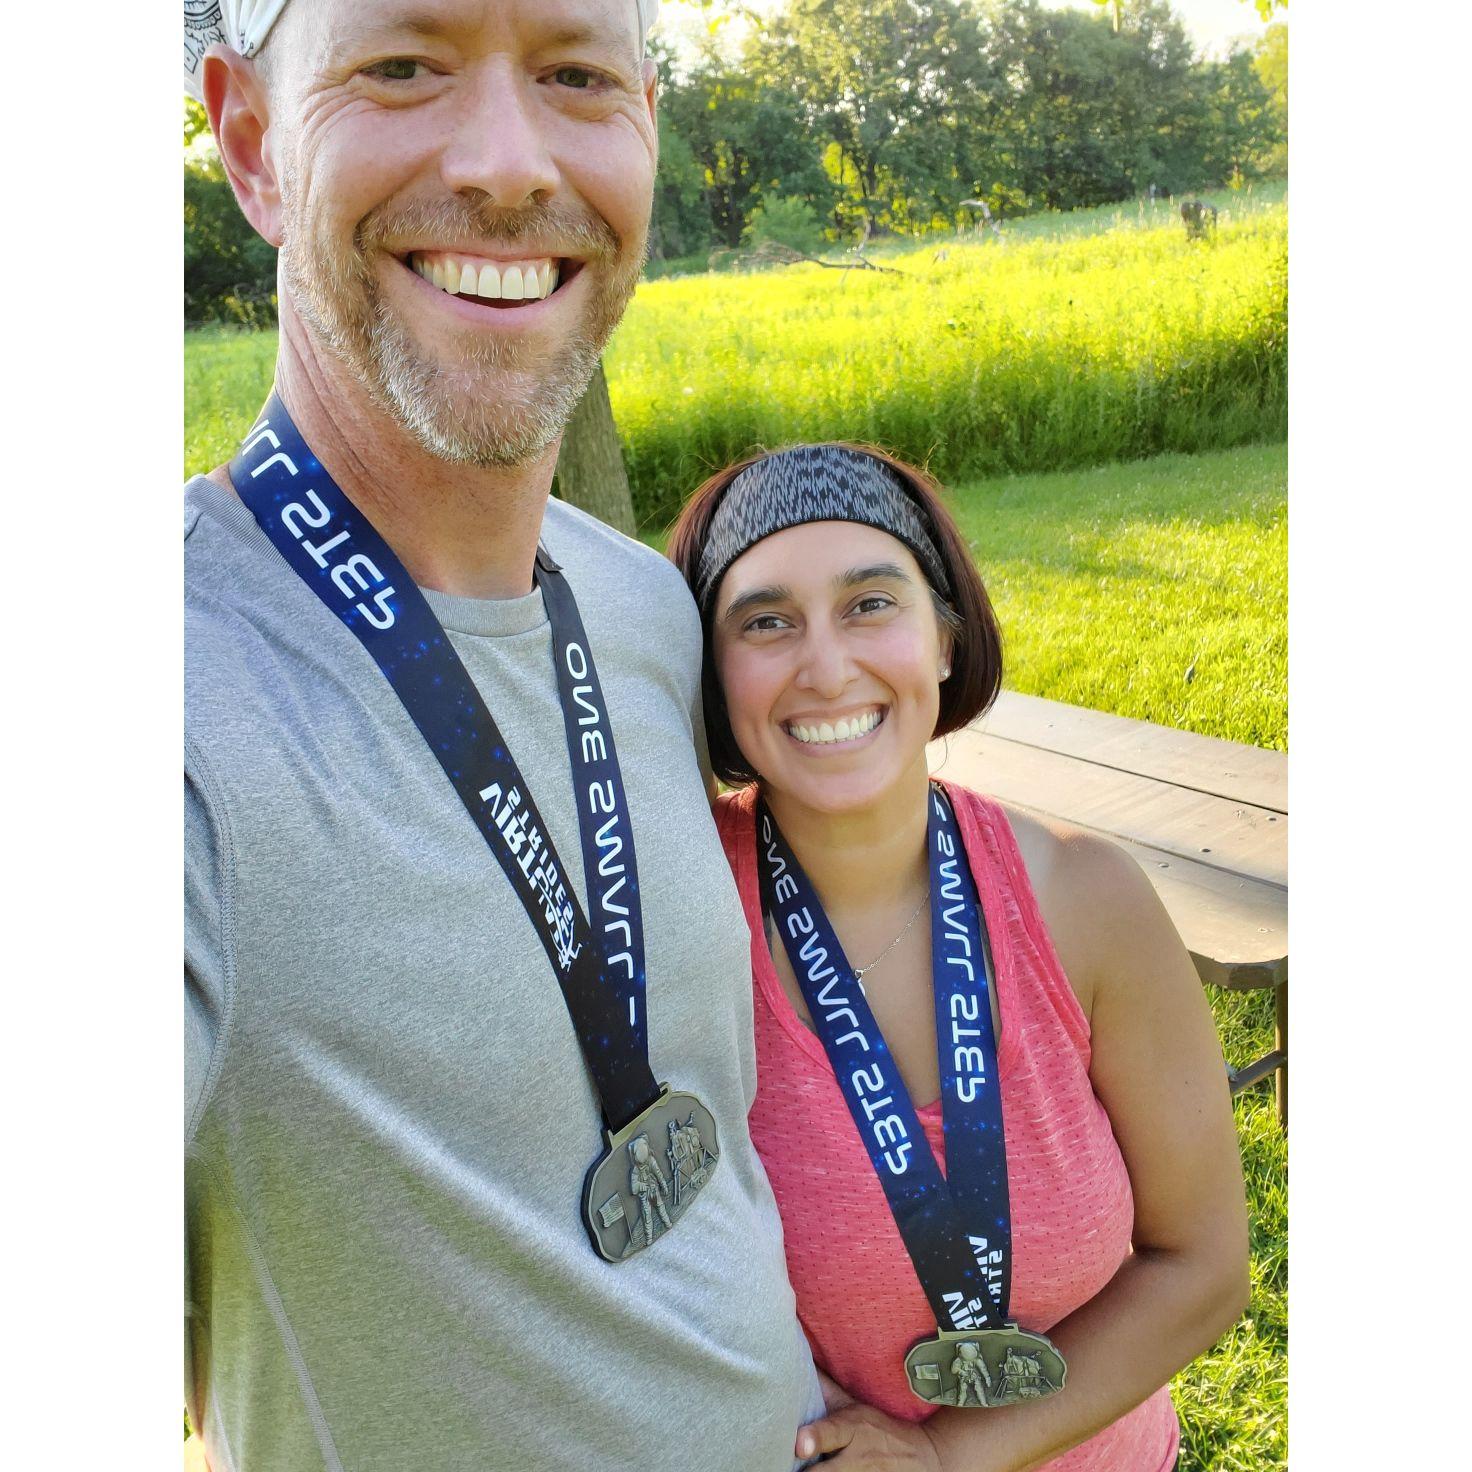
{"x":502,"y":403}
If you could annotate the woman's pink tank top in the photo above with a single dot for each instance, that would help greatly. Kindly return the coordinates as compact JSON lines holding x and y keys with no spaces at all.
{"x":1072,"y":1209}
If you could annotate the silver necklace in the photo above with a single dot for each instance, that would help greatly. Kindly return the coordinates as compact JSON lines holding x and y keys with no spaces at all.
{"x":860,"y":972}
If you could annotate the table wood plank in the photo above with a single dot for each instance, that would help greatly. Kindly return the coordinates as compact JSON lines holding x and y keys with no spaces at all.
{"x":1227,"y":769}
{"x":1241,"y":839}
{"x":1235,"y":928}
{"x":1218,"y":863}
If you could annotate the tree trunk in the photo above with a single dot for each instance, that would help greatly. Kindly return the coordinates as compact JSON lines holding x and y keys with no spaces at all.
{"x":590,"y":465}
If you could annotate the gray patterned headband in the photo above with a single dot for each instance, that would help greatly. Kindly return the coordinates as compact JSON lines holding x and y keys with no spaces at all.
{"x":813,"y":483}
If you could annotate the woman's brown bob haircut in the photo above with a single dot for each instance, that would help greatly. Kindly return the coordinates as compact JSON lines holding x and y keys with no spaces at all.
{"x":976,"y":641}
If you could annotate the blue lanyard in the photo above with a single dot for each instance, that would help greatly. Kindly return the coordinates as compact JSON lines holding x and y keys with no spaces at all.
{"x":335,"y":550}
{"x":956,"y":1228}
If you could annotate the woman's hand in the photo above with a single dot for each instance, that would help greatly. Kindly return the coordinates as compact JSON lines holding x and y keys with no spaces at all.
{"x":866,"y":1440}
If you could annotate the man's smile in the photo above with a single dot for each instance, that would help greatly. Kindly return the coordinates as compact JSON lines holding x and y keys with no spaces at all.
{"x":500,"y":283}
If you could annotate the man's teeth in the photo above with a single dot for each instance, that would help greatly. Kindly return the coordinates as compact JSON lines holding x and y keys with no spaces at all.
{"x":824,"y":735}
{"x":518,"y":281}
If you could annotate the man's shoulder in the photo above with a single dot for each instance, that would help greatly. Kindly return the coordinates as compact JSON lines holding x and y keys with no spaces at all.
{"x":233,"y":584}
{"x":615,"y":562}
{"x":223,"y":546}
{"x":251,"y":658}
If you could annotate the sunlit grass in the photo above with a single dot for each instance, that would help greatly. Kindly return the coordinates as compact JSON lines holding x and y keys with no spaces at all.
{"x":1075,"y":343}
{"x":1040,"y":354}
{"x":1156,"y":589}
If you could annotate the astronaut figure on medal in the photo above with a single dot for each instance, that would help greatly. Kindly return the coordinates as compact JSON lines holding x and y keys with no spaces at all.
{"x":648,"y":1186}
{"x":970,"y":1373}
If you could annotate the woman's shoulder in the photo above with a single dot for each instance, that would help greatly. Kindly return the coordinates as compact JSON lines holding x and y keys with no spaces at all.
{"x":735,"y":815}
{"x":1090,"y":893}
{"x":1057,"y":856}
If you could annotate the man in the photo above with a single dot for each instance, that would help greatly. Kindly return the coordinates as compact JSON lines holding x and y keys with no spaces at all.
{"x":398,"y":1071}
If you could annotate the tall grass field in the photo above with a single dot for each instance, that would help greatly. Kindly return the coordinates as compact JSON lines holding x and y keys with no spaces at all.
{"x":1033,"y":354}
{"x":1045,"y":351}
{"x":1107,"y":403}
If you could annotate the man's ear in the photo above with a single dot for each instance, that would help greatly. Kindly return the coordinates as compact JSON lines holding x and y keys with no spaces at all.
{"x":239,"y":109}
{"x":651,"y":91}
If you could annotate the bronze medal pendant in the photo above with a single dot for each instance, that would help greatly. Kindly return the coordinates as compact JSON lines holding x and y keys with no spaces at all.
{"x":649,"y":1175}
{"x":984,"y":1367}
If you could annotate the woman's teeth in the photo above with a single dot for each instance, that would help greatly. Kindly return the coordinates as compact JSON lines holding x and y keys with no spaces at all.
{"x":514,"y":281}
{"x":825,"y":735}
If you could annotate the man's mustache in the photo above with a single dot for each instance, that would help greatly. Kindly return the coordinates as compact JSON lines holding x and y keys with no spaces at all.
{"x":542,"y":230}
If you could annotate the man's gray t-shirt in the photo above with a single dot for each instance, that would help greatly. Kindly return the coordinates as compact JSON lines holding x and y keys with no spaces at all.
{"x":388,"y":1118}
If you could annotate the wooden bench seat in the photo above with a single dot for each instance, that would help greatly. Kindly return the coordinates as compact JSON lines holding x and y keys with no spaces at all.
{"x":1206,"y":819}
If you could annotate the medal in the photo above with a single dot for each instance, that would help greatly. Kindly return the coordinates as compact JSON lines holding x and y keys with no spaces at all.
{"x":956,"y":1228}
{"x":987,"y":1367}
{"x":660,"y":1146}
{"x":649,"y":1174}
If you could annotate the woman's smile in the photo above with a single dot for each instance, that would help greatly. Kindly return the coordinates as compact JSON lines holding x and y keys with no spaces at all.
{"x":829,"y":731}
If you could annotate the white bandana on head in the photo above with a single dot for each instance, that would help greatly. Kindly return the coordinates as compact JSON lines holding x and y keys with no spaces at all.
{"x":244,"y":24}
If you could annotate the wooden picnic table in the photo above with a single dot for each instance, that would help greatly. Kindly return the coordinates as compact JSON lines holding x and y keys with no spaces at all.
{"x":1206,"y":819}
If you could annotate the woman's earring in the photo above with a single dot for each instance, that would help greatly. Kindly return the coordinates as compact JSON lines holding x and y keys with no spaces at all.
{"x":945,"y":672}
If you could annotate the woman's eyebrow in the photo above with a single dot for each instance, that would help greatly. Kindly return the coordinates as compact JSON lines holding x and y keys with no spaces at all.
{"x":871,"y":574}
{"x":754,"y":596}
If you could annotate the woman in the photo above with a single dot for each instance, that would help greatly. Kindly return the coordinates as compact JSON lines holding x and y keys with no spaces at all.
{"x":1029,"y":1308}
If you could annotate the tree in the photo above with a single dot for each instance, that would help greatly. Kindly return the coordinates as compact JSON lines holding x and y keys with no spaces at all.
{"x":590,"y":464}
{"x":747,"y":138}
{"x":196,"y":122}
{"x":1270,"y":58}
{"x":1242,"y":129}
{"x":680,"y":224}
{"x":891,"y":87}
{"x":1086,"y":115}
{"x":229,"y":271}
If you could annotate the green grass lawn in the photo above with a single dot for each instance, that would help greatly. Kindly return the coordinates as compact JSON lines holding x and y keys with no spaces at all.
{"x":1156,"y":589}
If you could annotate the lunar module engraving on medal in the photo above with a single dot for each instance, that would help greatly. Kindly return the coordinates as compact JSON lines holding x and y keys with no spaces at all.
{"x":650,"y":1175}
{"x":991,"y":1367}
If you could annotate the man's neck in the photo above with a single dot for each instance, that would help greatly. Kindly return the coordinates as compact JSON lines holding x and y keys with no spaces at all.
{"x":459,"y":529}
{"x":862,"y":860}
